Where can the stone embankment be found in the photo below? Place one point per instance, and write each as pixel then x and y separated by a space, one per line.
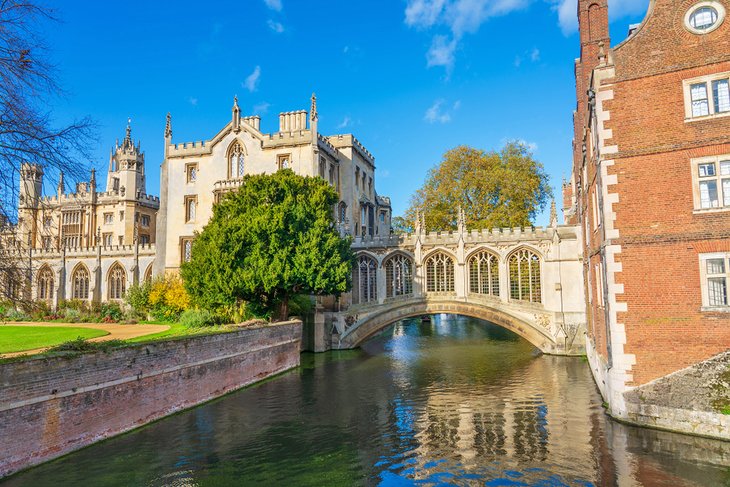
pixel 52 406
pixel 695 400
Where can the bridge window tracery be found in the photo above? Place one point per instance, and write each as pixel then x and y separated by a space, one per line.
pixel 439 273
pixel 45 284
pixel 398 276
pixel 484 273
pixel 365 280
pixel 524 276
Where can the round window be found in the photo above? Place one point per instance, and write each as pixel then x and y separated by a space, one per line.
pixel 704 17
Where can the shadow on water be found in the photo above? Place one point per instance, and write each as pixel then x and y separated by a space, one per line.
pixel 455 401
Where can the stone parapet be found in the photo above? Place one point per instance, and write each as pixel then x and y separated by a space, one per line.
pixel 52 406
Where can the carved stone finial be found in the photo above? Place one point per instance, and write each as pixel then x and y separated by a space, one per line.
pixel 236 111
pixel 553 214
pixel 61 185
pixel 461 221
pixel 168 126
pixel 92 181
pixel 313 115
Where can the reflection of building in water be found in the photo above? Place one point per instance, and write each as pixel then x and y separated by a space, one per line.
pixel 516 424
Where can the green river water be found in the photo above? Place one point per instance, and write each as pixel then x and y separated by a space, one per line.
pixel 456 401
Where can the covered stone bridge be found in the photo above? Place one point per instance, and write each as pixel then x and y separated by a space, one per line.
pixel 527 280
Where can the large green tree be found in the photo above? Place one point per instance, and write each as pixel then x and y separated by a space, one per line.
pixel 496 189
pixel 273 238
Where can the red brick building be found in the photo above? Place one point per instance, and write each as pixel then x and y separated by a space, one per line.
pixel 650 187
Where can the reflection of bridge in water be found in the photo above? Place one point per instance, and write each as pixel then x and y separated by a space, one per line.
pixel 529 281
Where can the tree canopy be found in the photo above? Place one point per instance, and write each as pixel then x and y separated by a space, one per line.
pixel 495 189
pixel 272 239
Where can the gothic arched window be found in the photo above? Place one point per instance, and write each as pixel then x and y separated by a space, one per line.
pixel 365 280
pixel 45 284
pixel 117 282
pixel 398 276
pixel 342 212
pixel 236 161
pixel 80 283
pixel 484 273
pixel 439 273
pixel 148 274
pixel 524 276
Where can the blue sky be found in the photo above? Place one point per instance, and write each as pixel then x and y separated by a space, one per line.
pixel 410 78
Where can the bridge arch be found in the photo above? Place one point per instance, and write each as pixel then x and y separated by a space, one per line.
pixel 376 321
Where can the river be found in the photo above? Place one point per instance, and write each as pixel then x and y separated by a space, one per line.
pixel 456 401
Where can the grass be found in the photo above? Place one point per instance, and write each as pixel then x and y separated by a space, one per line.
pixel 178 330
pixel 21 338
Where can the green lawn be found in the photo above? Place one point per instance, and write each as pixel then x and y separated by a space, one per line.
pixel 178 330
pixel 19 338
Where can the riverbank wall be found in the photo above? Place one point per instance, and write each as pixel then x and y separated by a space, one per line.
pixel 52 406
pixel 693 401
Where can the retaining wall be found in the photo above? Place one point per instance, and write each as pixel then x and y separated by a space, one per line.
pixel 52 406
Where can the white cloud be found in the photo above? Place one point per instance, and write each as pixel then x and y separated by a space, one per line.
pixel 346 122
pixel 277 27
pixel 441 52
pixel 274 4
pixel 459 17
pixel 436 114
pixel 193 101
pixel 568 19
pixel 252 80
pixel 261 108
pixel 535 55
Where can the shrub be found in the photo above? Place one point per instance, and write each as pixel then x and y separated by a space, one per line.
pixel 16 315
pixel 76 304
pixel 197 318
pixel 111 312
pixel 138 298
pixel 71 315
pixel 168 298
pixel 82 345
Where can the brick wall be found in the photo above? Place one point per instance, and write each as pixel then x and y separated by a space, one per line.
pixel 51 406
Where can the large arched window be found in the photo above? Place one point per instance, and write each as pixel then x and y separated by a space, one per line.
pixel 398 276
pixel 45 284
pixel 235 164
pixel 439 273
pixel 524 276
pixel 365 280
pixel 117 282
pixel 484 273
pixel 80 283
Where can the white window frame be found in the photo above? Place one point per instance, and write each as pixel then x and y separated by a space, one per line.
pixel 707 80
pixel 719 8
pixel 704 277
pixel 718 177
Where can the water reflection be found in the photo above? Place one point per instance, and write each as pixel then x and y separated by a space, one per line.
pixel 454 401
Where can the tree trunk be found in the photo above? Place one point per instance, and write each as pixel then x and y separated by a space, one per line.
pixel 284 309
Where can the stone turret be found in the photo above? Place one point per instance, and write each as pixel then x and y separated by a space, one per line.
pixel 126 168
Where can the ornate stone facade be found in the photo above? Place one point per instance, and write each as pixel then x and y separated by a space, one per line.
pixel 88 245
pixel 196 174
